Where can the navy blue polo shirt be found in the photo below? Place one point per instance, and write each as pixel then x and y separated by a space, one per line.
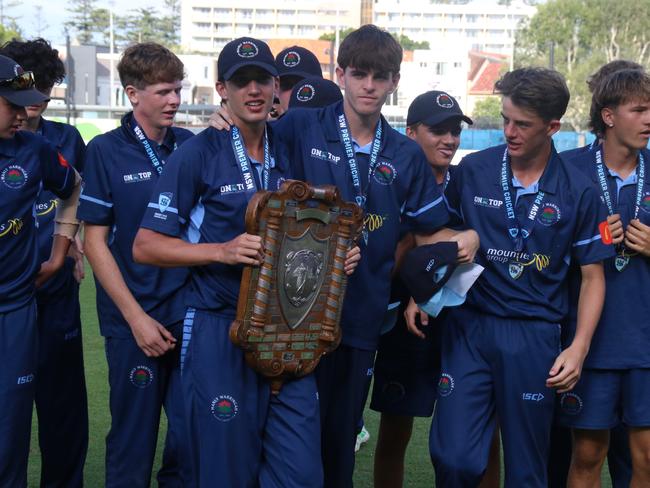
pixel 69 143
pixel 28 164
pixel 119 179
pixel 531 283
pixel 622 339
pixel 402 190
pixel 201 197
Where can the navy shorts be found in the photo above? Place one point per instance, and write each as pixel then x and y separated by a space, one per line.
pixel 603 398
pixel 407 370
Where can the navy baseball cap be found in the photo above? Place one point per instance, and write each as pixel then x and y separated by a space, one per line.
pixel 314 92
pixel 298 61
pixel 433 108
pixel 242 52
pixel 17 85
pixel 421 269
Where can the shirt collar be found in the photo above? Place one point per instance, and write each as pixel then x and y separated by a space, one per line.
pixel 548 182
pixel 9 147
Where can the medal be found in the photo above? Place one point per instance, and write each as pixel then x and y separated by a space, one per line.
pixel 621 261
pixel 516 270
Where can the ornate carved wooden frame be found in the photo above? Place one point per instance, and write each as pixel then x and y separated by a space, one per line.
pixel 289 308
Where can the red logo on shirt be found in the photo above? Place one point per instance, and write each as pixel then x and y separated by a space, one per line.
pixel 62 161
pixel 605 233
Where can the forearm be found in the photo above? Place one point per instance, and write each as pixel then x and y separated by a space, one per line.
pixel 60 246
pixel 109 276
pixel 158 249
pixel 590 305
pixel 65 220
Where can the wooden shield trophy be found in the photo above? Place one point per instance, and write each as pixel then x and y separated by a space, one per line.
pixel 289 307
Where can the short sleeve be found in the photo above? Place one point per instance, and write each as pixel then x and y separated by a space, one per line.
pixel 96 200
pixel 424 209
pixel 591 216
pixel 176 193
pixel 58 175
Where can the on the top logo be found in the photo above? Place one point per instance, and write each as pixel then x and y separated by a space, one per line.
pixel 291 59
pixel 444 101
pixel 247 49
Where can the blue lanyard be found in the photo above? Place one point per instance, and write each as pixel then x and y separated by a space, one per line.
pixel 244 162
pixel 156 161
pixel 346 139
pixel 602 180
pixel 518 234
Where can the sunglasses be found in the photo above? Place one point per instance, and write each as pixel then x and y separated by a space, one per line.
pixel 20 82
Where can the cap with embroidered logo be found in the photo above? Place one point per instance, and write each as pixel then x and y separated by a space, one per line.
pixel 17 85
pixel 433 108
pixel 298 61
pixel 245 51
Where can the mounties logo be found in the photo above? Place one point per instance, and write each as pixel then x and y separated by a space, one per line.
pixel 549 215
pixel 571 404
pixel 305 93
pixel 445 101
pixel 291 59
pixel 224 408
pixel 247 49
pixel 11 227
pixel 445 385
pixel 385 173
pixel 14 176
pixel 141 376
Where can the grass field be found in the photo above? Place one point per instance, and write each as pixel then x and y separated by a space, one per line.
pixel 419 473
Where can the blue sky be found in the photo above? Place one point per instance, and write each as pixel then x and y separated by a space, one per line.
pixel 54 14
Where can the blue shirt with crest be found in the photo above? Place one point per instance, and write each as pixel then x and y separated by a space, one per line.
pixel 119 179
pixel 622 339
pixel 28 166
pixel 531 283
pixel 202 198
pixel 402 190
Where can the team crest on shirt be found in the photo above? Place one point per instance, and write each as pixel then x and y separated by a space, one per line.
pixel 224 408
pixel 141 376
pixel 164 200
pixel 385 173
pixel 14 176
pixel 291 59
pixel 247 49
pixel 571 404
pixel 445 385
pixel 445 101
pixel 305 93
pixel 550 214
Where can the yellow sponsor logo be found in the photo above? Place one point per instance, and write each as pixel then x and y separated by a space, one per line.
pixel 541 261
pixel 373 222
pixel 46 208
pixel 12 226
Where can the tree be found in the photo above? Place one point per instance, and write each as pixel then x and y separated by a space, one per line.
pixel 409 44
pixel 487 113
pixel 582 35
pixel 343 33
pixel 7 34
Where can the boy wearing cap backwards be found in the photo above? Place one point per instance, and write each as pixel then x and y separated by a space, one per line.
pixel 240 435
pixel 61 406
pixel 28 163
pixel 407 367
pixel 140 307
pixel 615 384
pixel 294 64
pixel 534 216
pixel 350 145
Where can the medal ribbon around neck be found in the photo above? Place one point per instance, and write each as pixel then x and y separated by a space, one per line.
pixel 346 139
pixel 517 232
pixel 157 162
pixel 245 166
pixel 621 259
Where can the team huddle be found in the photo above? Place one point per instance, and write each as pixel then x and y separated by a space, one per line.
pixel 546 354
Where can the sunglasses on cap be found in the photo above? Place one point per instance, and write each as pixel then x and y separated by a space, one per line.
pixel 20 82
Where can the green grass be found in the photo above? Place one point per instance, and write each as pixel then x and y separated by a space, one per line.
pixel 419 473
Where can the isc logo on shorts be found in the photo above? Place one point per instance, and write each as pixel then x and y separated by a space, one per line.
pixel 24 380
